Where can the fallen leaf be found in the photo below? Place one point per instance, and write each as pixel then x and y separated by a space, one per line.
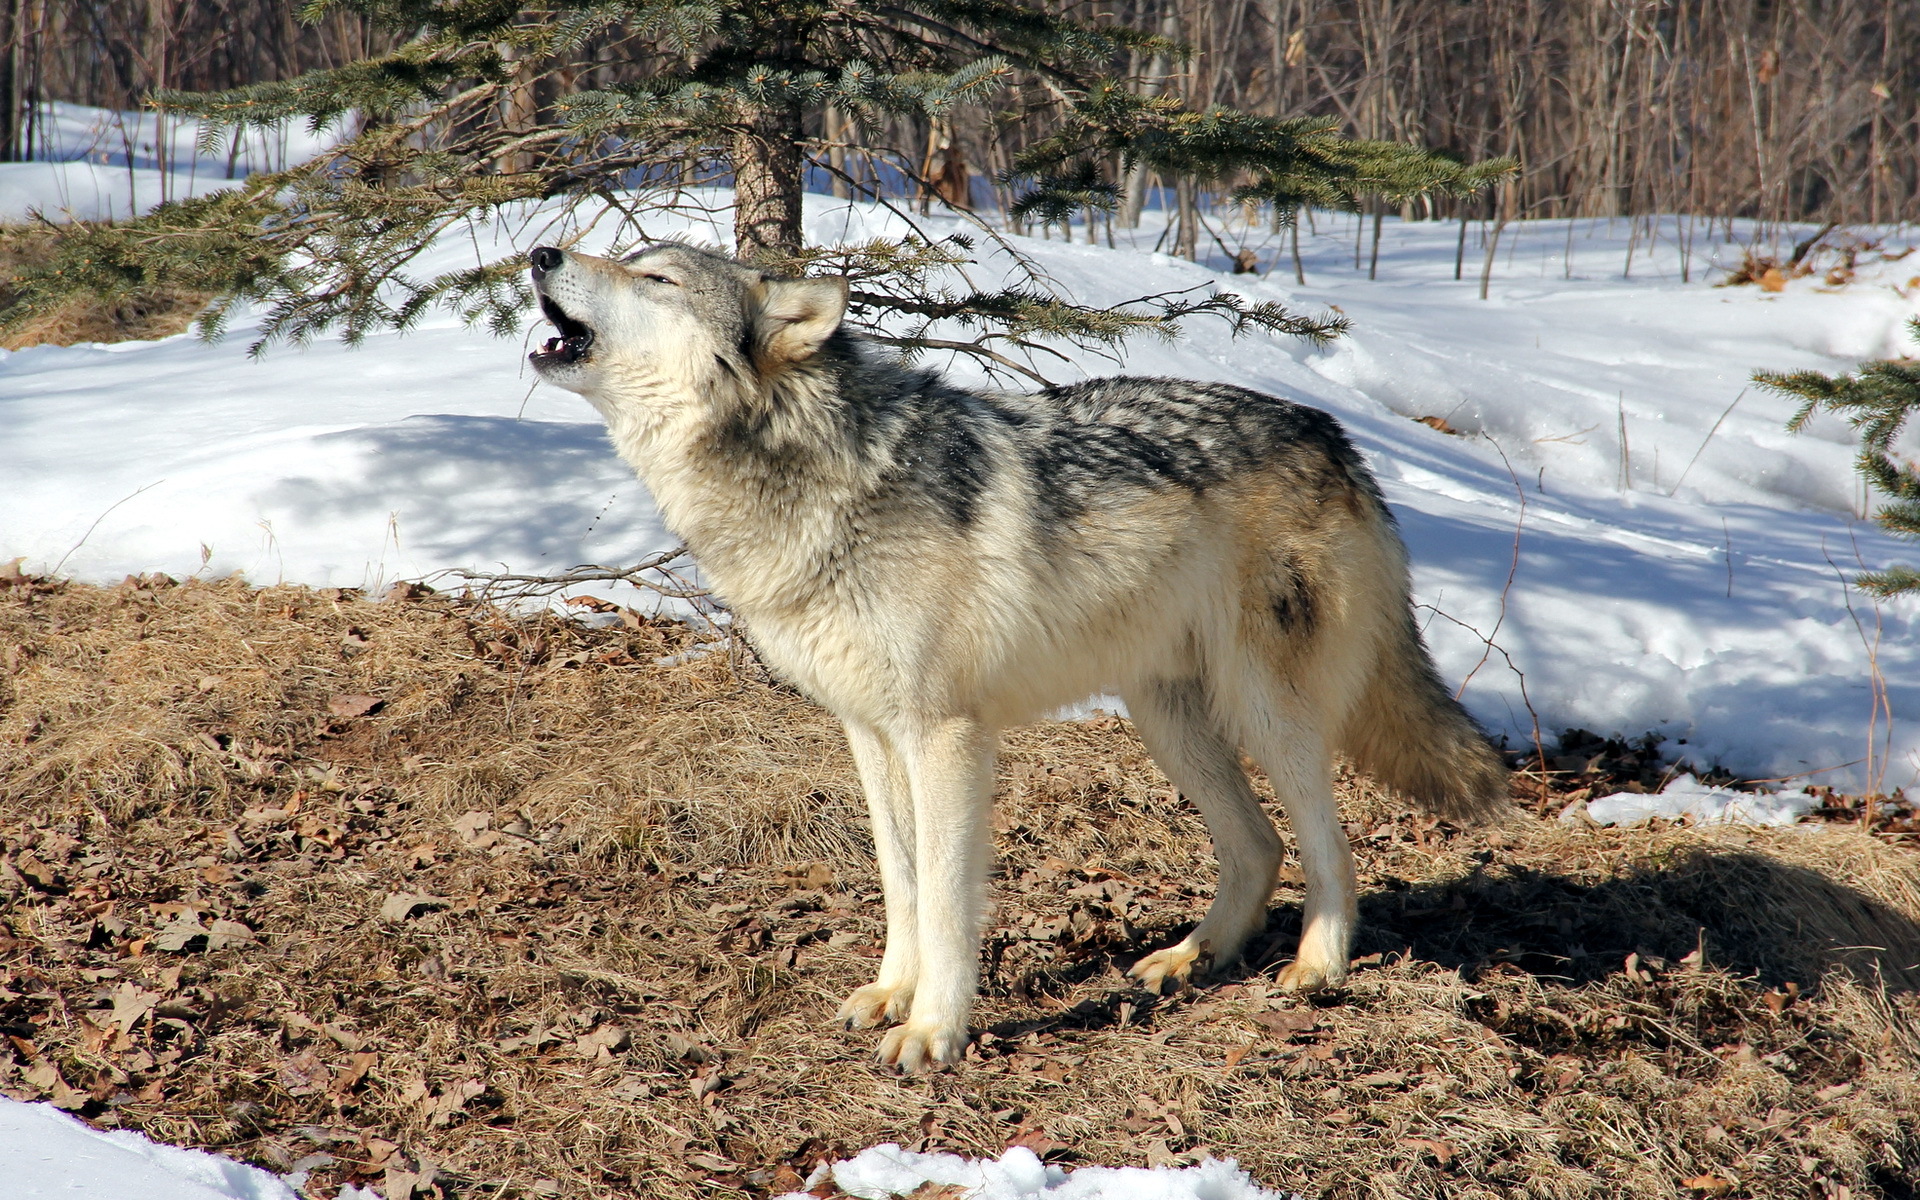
pixel 131 1003
pixel 1711 1185
pixel 179 933
pixel 222 934
pixel 353 704
pixel 1442 1152
pixel 1771 280
pixel 1287 1022
pixel 1040 1142
pixel 303 1074
pixel 399 906
pixel 348 1077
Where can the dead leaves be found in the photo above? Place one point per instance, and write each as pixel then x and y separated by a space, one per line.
pixel 347 706
pixel 438 1108
pixel 398 907
pixel 185 934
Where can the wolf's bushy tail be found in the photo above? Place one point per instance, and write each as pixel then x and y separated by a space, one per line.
pixel 1409 733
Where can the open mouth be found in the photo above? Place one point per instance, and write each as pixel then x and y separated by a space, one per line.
pixel 573 343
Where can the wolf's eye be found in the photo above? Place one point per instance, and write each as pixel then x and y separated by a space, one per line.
pixel 660 279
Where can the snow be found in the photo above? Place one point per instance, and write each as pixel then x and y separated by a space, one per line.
pixel 887 1170
pixel 97 163
pixel 1685 581
pixel 1686 796
pixel 47 1155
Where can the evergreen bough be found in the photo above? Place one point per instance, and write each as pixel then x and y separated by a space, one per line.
pixel 475 116
pixel 1877 401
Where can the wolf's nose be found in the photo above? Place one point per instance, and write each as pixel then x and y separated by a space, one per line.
pixel 544 259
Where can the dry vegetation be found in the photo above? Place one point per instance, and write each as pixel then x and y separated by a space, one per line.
pixel 148 313
pixel 413 893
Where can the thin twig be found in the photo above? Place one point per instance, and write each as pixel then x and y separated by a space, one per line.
pixel 96 524
pixel 1513 568
pixel 1703 445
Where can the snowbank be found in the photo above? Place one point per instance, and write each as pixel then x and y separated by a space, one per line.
pixel 47 1155
pixel 1681 556
pixel 887 1170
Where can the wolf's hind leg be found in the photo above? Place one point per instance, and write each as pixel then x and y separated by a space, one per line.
pixel 1175 719
pixel 1293 749
pixel 890 804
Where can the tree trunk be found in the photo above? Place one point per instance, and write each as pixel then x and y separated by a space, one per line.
pixel 767 180
pixel 10 56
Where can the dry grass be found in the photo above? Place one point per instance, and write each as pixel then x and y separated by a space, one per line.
pixel 148 313
pixel 555 919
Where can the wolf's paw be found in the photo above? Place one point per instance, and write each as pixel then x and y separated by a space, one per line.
pixel 917 1047
pixel 874 1003
pixel 1300 975
pixel 1175 962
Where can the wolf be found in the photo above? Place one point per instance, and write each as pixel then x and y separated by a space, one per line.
pixel 933 563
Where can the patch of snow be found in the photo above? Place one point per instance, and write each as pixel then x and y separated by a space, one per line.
pixel 46 1154
pixel 1686 796
pixel 887 1170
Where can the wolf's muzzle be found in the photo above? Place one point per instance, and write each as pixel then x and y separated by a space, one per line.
pixel 544 259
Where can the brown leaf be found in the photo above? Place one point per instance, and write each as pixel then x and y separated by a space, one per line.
pixel 1771 280
pixel 222 934
pixel 1439 423
pixel 399 906
pixel 46 1077
pixel 1287 1022
pixel 179 933
pixel 131 1003
pixel 1442 1151
pixel 349 705
pixel 1039 1141
pixel 1711 1185
pixel 303 1074
pixel 348 1077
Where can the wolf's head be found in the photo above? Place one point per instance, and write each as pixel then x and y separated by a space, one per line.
pixel 675 320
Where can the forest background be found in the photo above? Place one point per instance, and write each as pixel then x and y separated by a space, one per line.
pixel 1796 110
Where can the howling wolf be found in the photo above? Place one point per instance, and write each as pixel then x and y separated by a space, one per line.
pixel 933 563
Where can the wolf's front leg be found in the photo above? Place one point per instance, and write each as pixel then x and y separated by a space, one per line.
pixel 883 776
pixel 950 767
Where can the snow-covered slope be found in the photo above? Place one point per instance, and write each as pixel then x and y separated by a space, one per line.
pixel 97 163
pixel 1681 555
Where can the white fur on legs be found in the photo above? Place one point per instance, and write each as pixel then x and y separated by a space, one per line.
pixel 1177 723
pixel 890 805
pixel 1302 775
pixel 950 766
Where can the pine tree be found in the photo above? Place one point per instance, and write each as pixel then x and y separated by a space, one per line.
pixel 477 116
pixel 1877 401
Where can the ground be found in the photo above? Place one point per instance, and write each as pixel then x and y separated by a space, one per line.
pixel 417 894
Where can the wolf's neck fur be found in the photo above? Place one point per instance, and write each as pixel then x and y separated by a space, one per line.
pixel 760 481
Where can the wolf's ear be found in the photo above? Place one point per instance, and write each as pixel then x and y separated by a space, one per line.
pixel 795 317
